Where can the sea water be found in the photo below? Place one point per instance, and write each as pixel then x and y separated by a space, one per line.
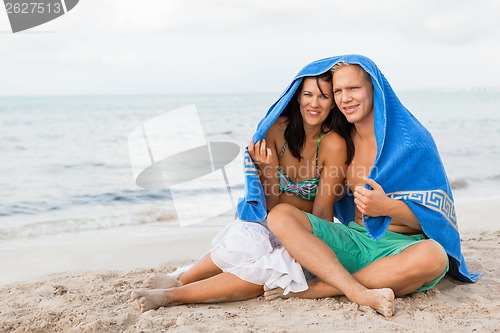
pixel 66 176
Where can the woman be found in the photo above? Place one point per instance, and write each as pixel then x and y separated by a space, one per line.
pixel 302 162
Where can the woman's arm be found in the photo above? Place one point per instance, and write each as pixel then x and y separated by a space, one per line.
pixel 265 157
pixel 332 157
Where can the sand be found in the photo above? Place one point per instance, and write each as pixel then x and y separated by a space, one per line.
pixel 86 288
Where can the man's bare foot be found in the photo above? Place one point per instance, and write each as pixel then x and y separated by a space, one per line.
pixel 272 294
pixel 381 300
pixel 150 299
pixel 163 281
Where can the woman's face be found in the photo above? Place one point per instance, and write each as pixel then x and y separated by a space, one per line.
pixel 315 104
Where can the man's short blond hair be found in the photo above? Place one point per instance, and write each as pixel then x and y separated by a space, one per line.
pixel 339 65
pixel 343 64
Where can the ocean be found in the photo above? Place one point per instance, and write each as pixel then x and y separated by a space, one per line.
pixel 66 174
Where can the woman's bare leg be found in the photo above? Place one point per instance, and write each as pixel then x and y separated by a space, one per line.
pixel 223 287
pixel 202 269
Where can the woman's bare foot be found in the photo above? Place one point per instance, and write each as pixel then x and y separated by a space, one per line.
pixel 163 281
pixel 272 294
pixel 150 299
pixel 381 300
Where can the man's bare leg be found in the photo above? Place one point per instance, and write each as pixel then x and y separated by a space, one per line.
pixel 224 287
pixel 293 229
pixel 403 273
pixel 202 269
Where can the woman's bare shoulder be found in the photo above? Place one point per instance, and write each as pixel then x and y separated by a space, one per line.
pixel 280 123
pixel 332 140
pixel 277 128
pixel 333 148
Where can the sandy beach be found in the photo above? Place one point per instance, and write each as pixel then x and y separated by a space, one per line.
pixel 86 287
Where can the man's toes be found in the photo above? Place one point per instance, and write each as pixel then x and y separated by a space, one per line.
pixel 272 294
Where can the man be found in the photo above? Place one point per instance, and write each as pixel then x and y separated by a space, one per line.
pixel 383 244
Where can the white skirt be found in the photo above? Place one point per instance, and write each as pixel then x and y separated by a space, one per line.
pixel 251 252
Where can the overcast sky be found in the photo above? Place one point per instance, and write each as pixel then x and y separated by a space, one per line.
pixel 196 46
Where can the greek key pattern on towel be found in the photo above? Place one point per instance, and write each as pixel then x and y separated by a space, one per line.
pixel 250 169
pixel 436 200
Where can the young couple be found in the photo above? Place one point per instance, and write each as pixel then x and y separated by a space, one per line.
pixel 337 128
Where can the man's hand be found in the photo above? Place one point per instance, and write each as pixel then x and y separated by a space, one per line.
pixel 373 202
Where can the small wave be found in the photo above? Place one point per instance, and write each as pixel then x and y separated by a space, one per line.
pixel 459 183
pixel 127 197
pixel 132 197
pixel 69 225
pixel 22 208
pixel 28 208
pixel 84 165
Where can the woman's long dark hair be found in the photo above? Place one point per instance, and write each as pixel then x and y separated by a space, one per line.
pixel 295 134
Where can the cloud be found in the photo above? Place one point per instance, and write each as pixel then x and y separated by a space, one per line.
pixel 453 22
pixel 250 45
pixel 199 16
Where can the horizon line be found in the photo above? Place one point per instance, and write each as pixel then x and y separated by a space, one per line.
pixel 491 89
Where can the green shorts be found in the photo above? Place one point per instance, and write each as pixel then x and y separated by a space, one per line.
pixel 356 250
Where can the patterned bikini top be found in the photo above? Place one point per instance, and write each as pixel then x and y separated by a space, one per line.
pixel 305 189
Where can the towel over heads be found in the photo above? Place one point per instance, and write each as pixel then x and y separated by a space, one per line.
pixel 407 166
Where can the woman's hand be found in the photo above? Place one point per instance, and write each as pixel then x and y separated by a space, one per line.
pixel 263 157
pixel 260 153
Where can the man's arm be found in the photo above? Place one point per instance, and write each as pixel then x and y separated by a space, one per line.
pixel 375 203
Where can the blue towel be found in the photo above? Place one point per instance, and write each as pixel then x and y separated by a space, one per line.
pixel 407 166
pixel 252 207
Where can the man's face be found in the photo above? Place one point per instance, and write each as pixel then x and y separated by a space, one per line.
pixel 353 93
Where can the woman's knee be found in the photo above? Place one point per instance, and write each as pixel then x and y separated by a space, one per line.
pixel 280 217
